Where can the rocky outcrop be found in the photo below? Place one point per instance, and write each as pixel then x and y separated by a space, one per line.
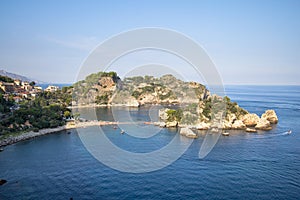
pixel 199 109
pixel 188 133
pixel 238 124
pixel 226 124
pixel 251 130
pixel 250 119
pixel 271 116
pixel 3 181
pixel 171 124
pixel 202 126
pixel 263 124
pixel 162 113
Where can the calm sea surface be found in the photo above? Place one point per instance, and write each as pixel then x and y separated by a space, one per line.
pixel 242 166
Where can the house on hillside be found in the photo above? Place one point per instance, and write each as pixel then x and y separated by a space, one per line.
pixel 17 82
pixel 51 88
pixel 7 87
pixel 26 86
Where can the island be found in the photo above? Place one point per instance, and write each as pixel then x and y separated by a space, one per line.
pixel 28 111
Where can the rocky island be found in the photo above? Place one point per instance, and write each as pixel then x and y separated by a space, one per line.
pixel 189 104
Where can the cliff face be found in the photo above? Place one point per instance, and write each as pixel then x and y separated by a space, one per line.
pixel 96 89
pixel 108 89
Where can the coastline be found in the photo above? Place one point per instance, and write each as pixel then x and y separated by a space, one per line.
pixel 31 134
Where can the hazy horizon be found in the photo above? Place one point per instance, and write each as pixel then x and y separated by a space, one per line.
pixel 251 43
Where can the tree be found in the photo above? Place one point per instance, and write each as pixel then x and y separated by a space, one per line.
pixel 67 114
pixel 32 83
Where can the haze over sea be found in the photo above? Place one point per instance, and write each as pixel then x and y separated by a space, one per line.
pixel 241 166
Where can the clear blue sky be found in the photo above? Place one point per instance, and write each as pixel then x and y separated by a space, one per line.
pixel 251 42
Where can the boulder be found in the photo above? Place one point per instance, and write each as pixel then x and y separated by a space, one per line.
pixel 250 119
pixel 238 124
pixel 263 124
pixel 202 126
pixel 188 133
pixel 2 181
pixel 271 116
pixel 226 124
pixel 163 114
pixel 171 124
pixel 162 124
pixel 231 117
pixel 251 130
pixel 133 103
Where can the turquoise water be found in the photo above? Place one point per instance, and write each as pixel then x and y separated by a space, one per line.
pixel 242 166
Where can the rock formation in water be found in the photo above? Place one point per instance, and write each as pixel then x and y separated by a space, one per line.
pixel 196 107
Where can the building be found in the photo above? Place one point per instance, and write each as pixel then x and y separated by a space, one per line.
pixel 17 82
pixel 51 88
pixel 17 99
pixel 7 87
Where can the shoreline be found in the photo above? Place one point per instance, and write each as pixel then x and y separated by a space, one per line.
pixel 70 125
pixel 31 134
pixel 12 139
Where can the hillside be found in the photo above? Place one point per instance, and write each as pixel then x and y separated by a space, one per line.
pixel 108 89
pixel 18 77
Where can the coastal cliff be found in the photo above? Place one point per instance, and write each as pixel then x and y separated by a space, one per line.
pixel 108 89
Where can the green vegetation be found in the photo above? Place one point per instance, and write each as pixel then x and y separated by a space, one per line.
pixel 136 94
pixel 192 108
pixel 207 108
pixel 6 79
pixel 5 104
pixel 232 107
pixel 93 79
pixel 174 115
pixel 189 119
pixel 103 99
pixel 166 96
pixel 47 110
pixel 89 87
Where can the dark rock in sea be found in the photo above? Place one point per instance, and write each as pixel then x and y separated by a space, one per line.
pixel 2 181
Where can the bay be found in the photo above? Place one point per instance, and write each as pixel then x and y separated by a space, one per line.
pixel 242 166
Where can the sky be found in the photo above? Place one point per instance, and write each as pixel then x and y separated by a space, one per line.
pixel 250 42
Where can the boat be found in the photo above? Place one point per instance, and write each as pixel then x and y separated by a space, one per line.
pixel 122 131
pixel 225 134
pixel 289 132
pixel 1 149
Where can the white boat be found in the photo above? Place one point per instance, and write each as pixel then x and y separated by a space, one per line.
pixel 225 133
pixel 289 132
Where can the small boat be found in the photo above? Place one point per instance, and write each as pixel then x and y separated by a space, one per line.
pixel 214 130
pixel 1 149
pixel 289 132
pixel 122 131
pixel 225 134
pixel 115 127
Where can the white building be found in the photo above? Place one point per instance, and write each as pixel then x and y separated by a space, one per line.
pixel 51 88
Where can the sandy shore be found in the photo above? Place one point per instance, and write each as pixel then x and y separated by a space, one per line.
pixel 70 125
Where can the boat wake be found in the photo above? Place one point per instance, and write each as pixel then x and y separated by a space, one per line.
pixel 273 135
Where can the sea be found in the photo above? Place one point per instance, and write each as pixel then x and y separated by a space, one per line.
pixel 240 166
